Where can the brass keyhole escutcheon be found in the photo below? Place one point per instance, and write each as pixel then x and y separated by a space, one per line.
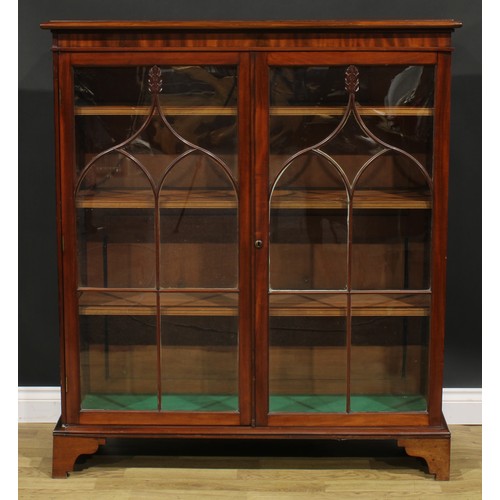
pixel 259 244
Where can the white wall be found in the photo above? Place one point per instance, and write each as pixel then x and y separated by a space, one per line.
pixel 42 404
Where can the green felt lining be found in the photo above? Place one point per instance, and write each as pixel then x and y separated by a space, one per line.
pixel 337 403
pixel 298 403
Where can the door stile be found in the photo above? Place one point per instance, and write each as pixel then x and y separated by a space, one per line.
pixel 58 143
pixel 261 234
pixel 69 270
pixel 245 105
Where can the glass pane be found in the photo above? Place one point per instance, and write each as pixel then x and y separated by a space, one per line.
pixel 389 353
pixel 106 114
pixel 307 103
pixel 115 225
pixel 118 351
pixel 411 133
pixel 391 249
pixel 391 226
pixel 307 353
pixel 308 227
pixel 199 226
pixel 199 352
pixel 157 207
pixel 351 147
pixel 393 171
pixel 381 150
pixel 199 103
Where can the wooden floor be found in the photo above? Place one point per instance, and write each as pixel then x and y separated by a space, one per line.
pixel 247 470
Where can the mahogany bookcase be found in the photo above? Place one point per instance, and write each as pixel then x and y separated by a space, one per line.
pixel 252 222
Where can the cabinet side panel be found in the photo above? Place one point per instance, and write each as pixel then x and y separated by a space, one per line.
pixel 69 267
pixel 440 227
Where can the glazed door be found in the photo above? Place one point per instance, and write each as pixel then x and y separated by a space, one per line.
pixel 346 149
pixel 159 187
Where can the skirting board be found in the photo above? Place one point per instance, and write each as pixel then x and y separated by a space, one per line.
pixel 43 404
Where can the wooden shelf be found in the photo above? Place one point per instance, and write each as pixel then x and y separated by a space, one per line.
pixel 115 198
pixel 226 304
pixel 369 198
pixel 144 304
pixel 340 110
pixel 391 198
pixel 336 305
pixel 232 111
pixel 146 110
pixel 282 199
pixel 117 304
pixel 174 199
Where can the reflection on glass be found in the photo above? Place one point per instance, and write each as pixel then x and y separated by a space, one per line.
pixel 380 85
pixel 389 355
pixel 199 103
pixel 118 352
pixel 307 103
pixel 101 120
pixel 199 352
pixel 411 133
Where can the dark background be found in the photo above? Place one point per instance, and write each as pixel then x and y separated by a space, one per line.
pixel 38 309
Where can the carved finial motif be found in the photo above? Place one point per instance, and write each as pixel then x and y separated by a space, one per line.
pixel 154 81
pixel 352 79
